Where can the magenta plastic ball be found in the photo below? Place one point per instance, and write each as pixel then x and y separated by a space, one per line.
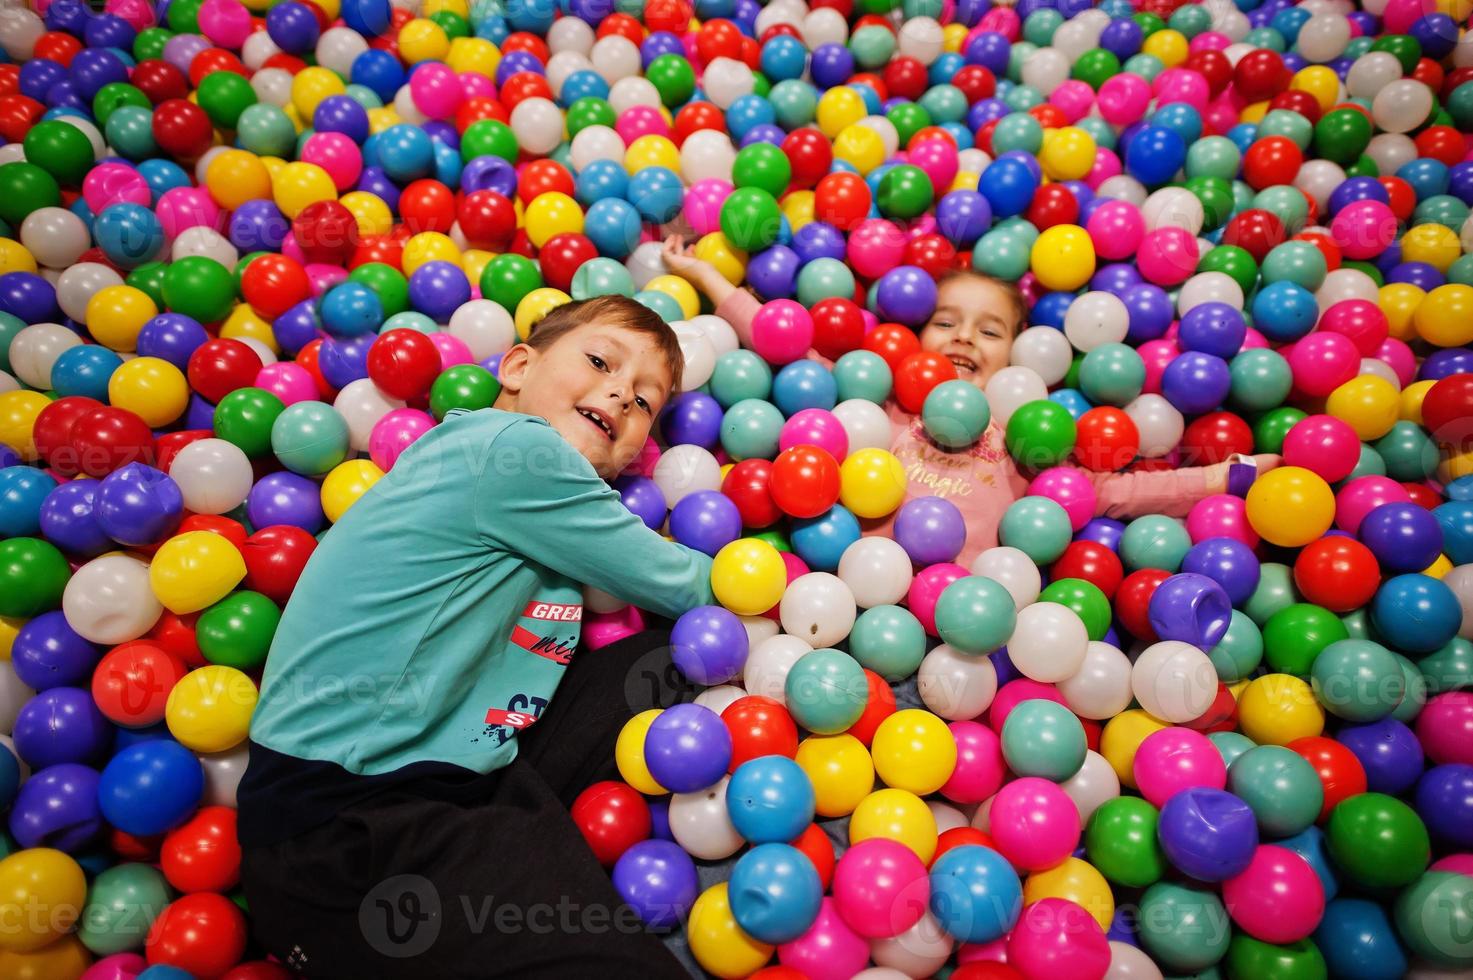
pixel 815 427
pixel 1364 494
pixel 1221 516
pixel 1278 899
pixel 1058 938
pixel 880 888
pixel 1034 823
pixel 980 769
pixel 1071 489
pixel 1445 728
pixel 927 587
pixel 829 950
pixel 1173 759
pixel 394 433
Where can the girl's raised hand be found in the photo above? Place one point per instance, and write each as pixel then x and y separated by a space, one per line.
pixel 680 258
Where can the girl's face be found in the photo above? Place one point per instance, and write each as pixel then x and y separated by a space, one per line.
pixel 973 327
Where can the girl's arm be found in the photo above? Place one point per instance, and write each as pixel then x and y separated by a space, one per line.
pixel 1169 492
pixel 735 306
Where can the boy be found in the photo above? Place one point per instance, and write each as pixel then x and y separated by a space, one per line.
pixel 405 811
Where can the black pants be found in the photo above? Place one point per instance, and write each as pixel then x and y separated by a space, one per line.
pixel 403 886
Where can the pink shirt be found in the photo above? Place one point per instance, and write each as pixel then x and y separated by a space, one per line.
pixel 983 481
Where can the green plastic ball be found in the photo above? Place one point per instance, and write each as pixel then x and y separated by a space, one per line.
pixel 1234 262
pixel 1281 788
pixel 1358 680
pixel 750 219
pixel 1215 194
pixel 762 165
pixel 63 150
pixel 1409 453
pixel 1230 745
pixel 826 691
pixel 1254 959
pixel 1112 374
pixel 864 374
pixel 149 278
pixel 1154 541
pixel 975 615
pixel 1045 739
pixel 905 192
pixel 466 386
pixel 1295 636
pixel 488 137
pixel 387 283
pixel 199 287
pixel 1213 156
pixel 1120 841
pixel 245 418
pixel 955 414
pixel 588 111
pixel 1261 380
pixel 310 438
pixel 266 130
pixel 237 630
pixel 872 46
pixel 1449 668
pixel 1095 67
pixel 1040 433
pixel 1342 135
pixel 1085 599
pixel 908 118
pixel 1275 591
pixel 25 187
pixel 122 903
pixel 224 95
pixel 33 575
pixel 740 375
pixel 149 44
pixel 824 278
pixel 1003 254
pixel 1378 841
pixel 1240 651
pixel 888 640
pixel 508 278
pixel 750 430
pixel 673 77
pixel 1272 426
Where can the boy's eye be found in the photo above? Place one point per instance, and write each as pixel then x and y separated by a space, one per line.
pixel 597 362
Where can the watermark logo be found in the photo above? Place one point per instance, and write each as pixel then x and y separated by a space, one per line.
pixel 401 917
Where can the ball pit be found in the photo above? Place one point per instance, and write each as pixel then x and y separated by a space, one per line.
pixel 251 252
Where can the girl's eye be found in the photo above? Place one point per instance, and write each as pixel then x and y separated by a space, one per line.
pixel 644 405
pixel 943 324
pixel 597 362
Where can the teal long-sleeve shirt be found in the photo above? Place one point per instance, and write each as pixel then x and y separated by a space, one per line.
pixel 436 618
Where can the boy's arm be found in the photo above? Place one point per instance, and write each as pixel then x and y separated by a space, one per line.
pixel 1169 492
pixel 541 499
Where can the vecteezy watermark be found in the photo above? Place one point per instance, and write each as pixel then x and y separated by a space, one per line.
pixel 404 916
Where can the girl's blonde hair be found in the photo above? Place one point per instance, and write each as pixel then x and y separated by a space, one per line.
pixel 1009 289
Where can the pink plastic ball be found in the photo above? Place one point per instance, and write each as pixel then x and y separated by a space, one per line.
pixel 1363 229
pixel 1058 938
pixel 1323 362
pixel 782 331
pixel 921 226
pixel 1221 516
pixel 1364 494
pixel 1209 41
pixel 1034 823
pixel 396 432
pixel 1003 20
pixel 1323 444
pixel 1221 115
pixel 601 629
pixel 1074 98
pixel 1157 354
pixel 336 154
pixel 288 381
pixel 1397 354
pixel 1445 728
pixel 875 247
pixel 1458 864
pixel 114 183
pixel 1174 759
pixel 138 13
pixel 436 90
pixel 1014 693
pixel 1360 320
pixel 1278 899
pixel 119 966
pixel 880 888
pixel 980 769
pixel 452 350
pixel 182 208
pixel 1253 340
pixel 702 206
pixel 1182 85
pixel 225 22
pixel 1123 99
pixel 640 120
pixel 323 277
pixel 1116 228
pixel 1168 256
pixel 1401 14
pixel 1106 165
pixel 644 463
pixel 829 950
pixel 937 158
pixel 815 427
pixel 927 587
pixel 1071 489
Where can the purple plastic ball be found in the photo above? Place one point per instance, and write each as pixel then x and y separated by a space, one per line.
pixel 818 240
pixel 1207 833
pixel 138 505
pixel 692 418
pixel 286 498
pixel 930 530
pixel 906 294
pixel 658 879
pixel 69 519
pixel 1445 801
pixel 61 725
pixel 643 498
pixel 1388 751
pixel 706 521
pixel 709 645
pixel 1195 382
pixel 1192 608
pixel 687 748
pixel 1228 562
pixel 1403 537
pixel 48 653
pixel 57 807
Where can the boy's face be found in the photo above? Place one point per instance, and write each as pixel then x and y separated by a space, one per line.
pixel 600 386
pixel 973 327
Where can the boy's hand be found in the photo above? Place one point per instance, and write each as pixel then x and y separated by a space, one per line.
pixel 680 259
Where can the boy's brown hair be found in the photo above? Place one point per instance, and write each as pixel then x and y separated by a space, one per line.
pixel 618 311
pixel 1013 293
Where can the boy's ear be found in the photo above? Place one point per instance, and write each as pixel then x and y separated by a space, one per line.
pixel 515 363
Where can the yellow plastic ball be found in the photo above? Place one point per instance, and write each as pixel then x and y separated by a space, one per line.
pixel 914 750
pixel 1439 567
pixel 840 769
pixel 536 305
pixel 244 323
pixel 1320 82
pixel 897 815
pixel 953 36
pixel 9 629
pixel 194 570
pixel 966 181
pixel 1437 245
pixel 423 40
pixel 235 177
pixel 474 262
pixel 629 753
pixel 115 315
pixel 18 411
pixel 871 483
pixel 1367 403
pixel 721 946
pixel 1445 317
pixel 209 710
pixel 1168 45
pixel 1275 709
pixel 679 290
pixel 1120 738
pixel 65 959
pixel 15 257
pixel 1063 257
pixel 1399 301
pixel 1290 506
pixel 1409 402
pixel 748 576
pixel 347 481
pixel 725 257
pixel 1074 881
pixel 313 84
pixel 1067 154
pixel 273 165
pixel 429 246
pixel 652 150
pixel 552 213
pixel 1458 465
pixel 41 891
pixel 860 146
pixel 369 212
pixel 332 8
pixel 839 107
pixel 381 118
pixel 150 387
pixel 799 208
pixel 457 7
pixel 1254 113
pixel 473 54
pixel 300 184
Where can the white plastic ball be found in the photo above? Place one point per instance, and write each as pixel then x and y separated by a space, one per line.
pixel 645 262
pixel 700 823
pixel 34 350
pixel 726 80
pixel 1174 207
pixel 13 696
pixel 1159 423
pixel 78 284
pixel 768 664
pixel 635 90
pixel 721 334
pixel 362 404
pixel 570 34
pixel 273 85
pixel 484 326
pixel 707 154
pixel 561 66
pixel 538 125
pixel 615 57
pixel 1402 106
pixel 1323 37
pixel 720 697
pixel 257 50
pixel 921 38
pixel 1318 179
pixel 1013 570
pixel 759 629
pixel 877 571
pixel 954 685
pixel 1044 350
pixel 338 48
pixel 1391 150
pixel 824 25
pixel 1010 389
pixel 1095 319
pixel 818 608
pixel 205 242
pixel 213 475
pixel 595 143
pixel 684 470
pixel 865 423
pixel 699 355
pixel 1095 783
pixel 109 600
pixel 1173 681
pixel 1046 69
pixel 222 774
pixel 1372 72
pixel 889 135
pixel 1049 643
pixel 55 236
pixel 1209 287
pixel 1124 188
pixel 1100 688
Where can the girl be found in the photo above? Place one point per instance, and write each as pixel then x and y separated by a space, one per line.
pixel 975 322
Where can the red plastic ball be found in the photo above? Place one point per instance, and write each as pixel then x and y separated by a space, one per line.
pixel 747 484
pixel 975 82
pixel 1447 411
pixel 326 232
pixel 203 934
pixel 388 249
pixel 1221 715
pixel 1260 75
pixel 879 706
pixel 427 205
pixel 212 60
pixel 918 374
pixel 1213 66
pixel 257 970
pixel 528 42
pixel 668 15
pixel 274 558
pixel 1422 495
pixel 842 200
pixel 1272 160
pixel 1442 143
pixel 1298 101
pixel 182 129
pixel 487 220
pixel 106 438
pixel 817 847
pixel 543 177
pixel 131 683
pixel 18 113
pixel 959 836
pixel 403 363
pixel 906 78
pixel 476 108
pixel 231 530
pixel 892 342
pixel 804 481
pixel 810 155
pixel 1049 115
pixel 1322 240
pixel 522 86
pixel 931 253
pixel 159 80
pixel 1093 563
pixel 1256 231
pixel 1106 439
pixel 838 327
pixel 1402 198
pixel 1338 573
pixel 176 634
pixel 1340 770
pixel 56 46
pixel 985 970
pixel 130 847
pixel 307 360
pixel 203 853
pixel 1215 437
pixel 1133 599
pixel 759 726
pixel 52 430
pixel 1053 204
pixel 718 38
pixel 694 117
pixel 273 284
pixel 562 256
pixel 221 365
pixel 612 817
